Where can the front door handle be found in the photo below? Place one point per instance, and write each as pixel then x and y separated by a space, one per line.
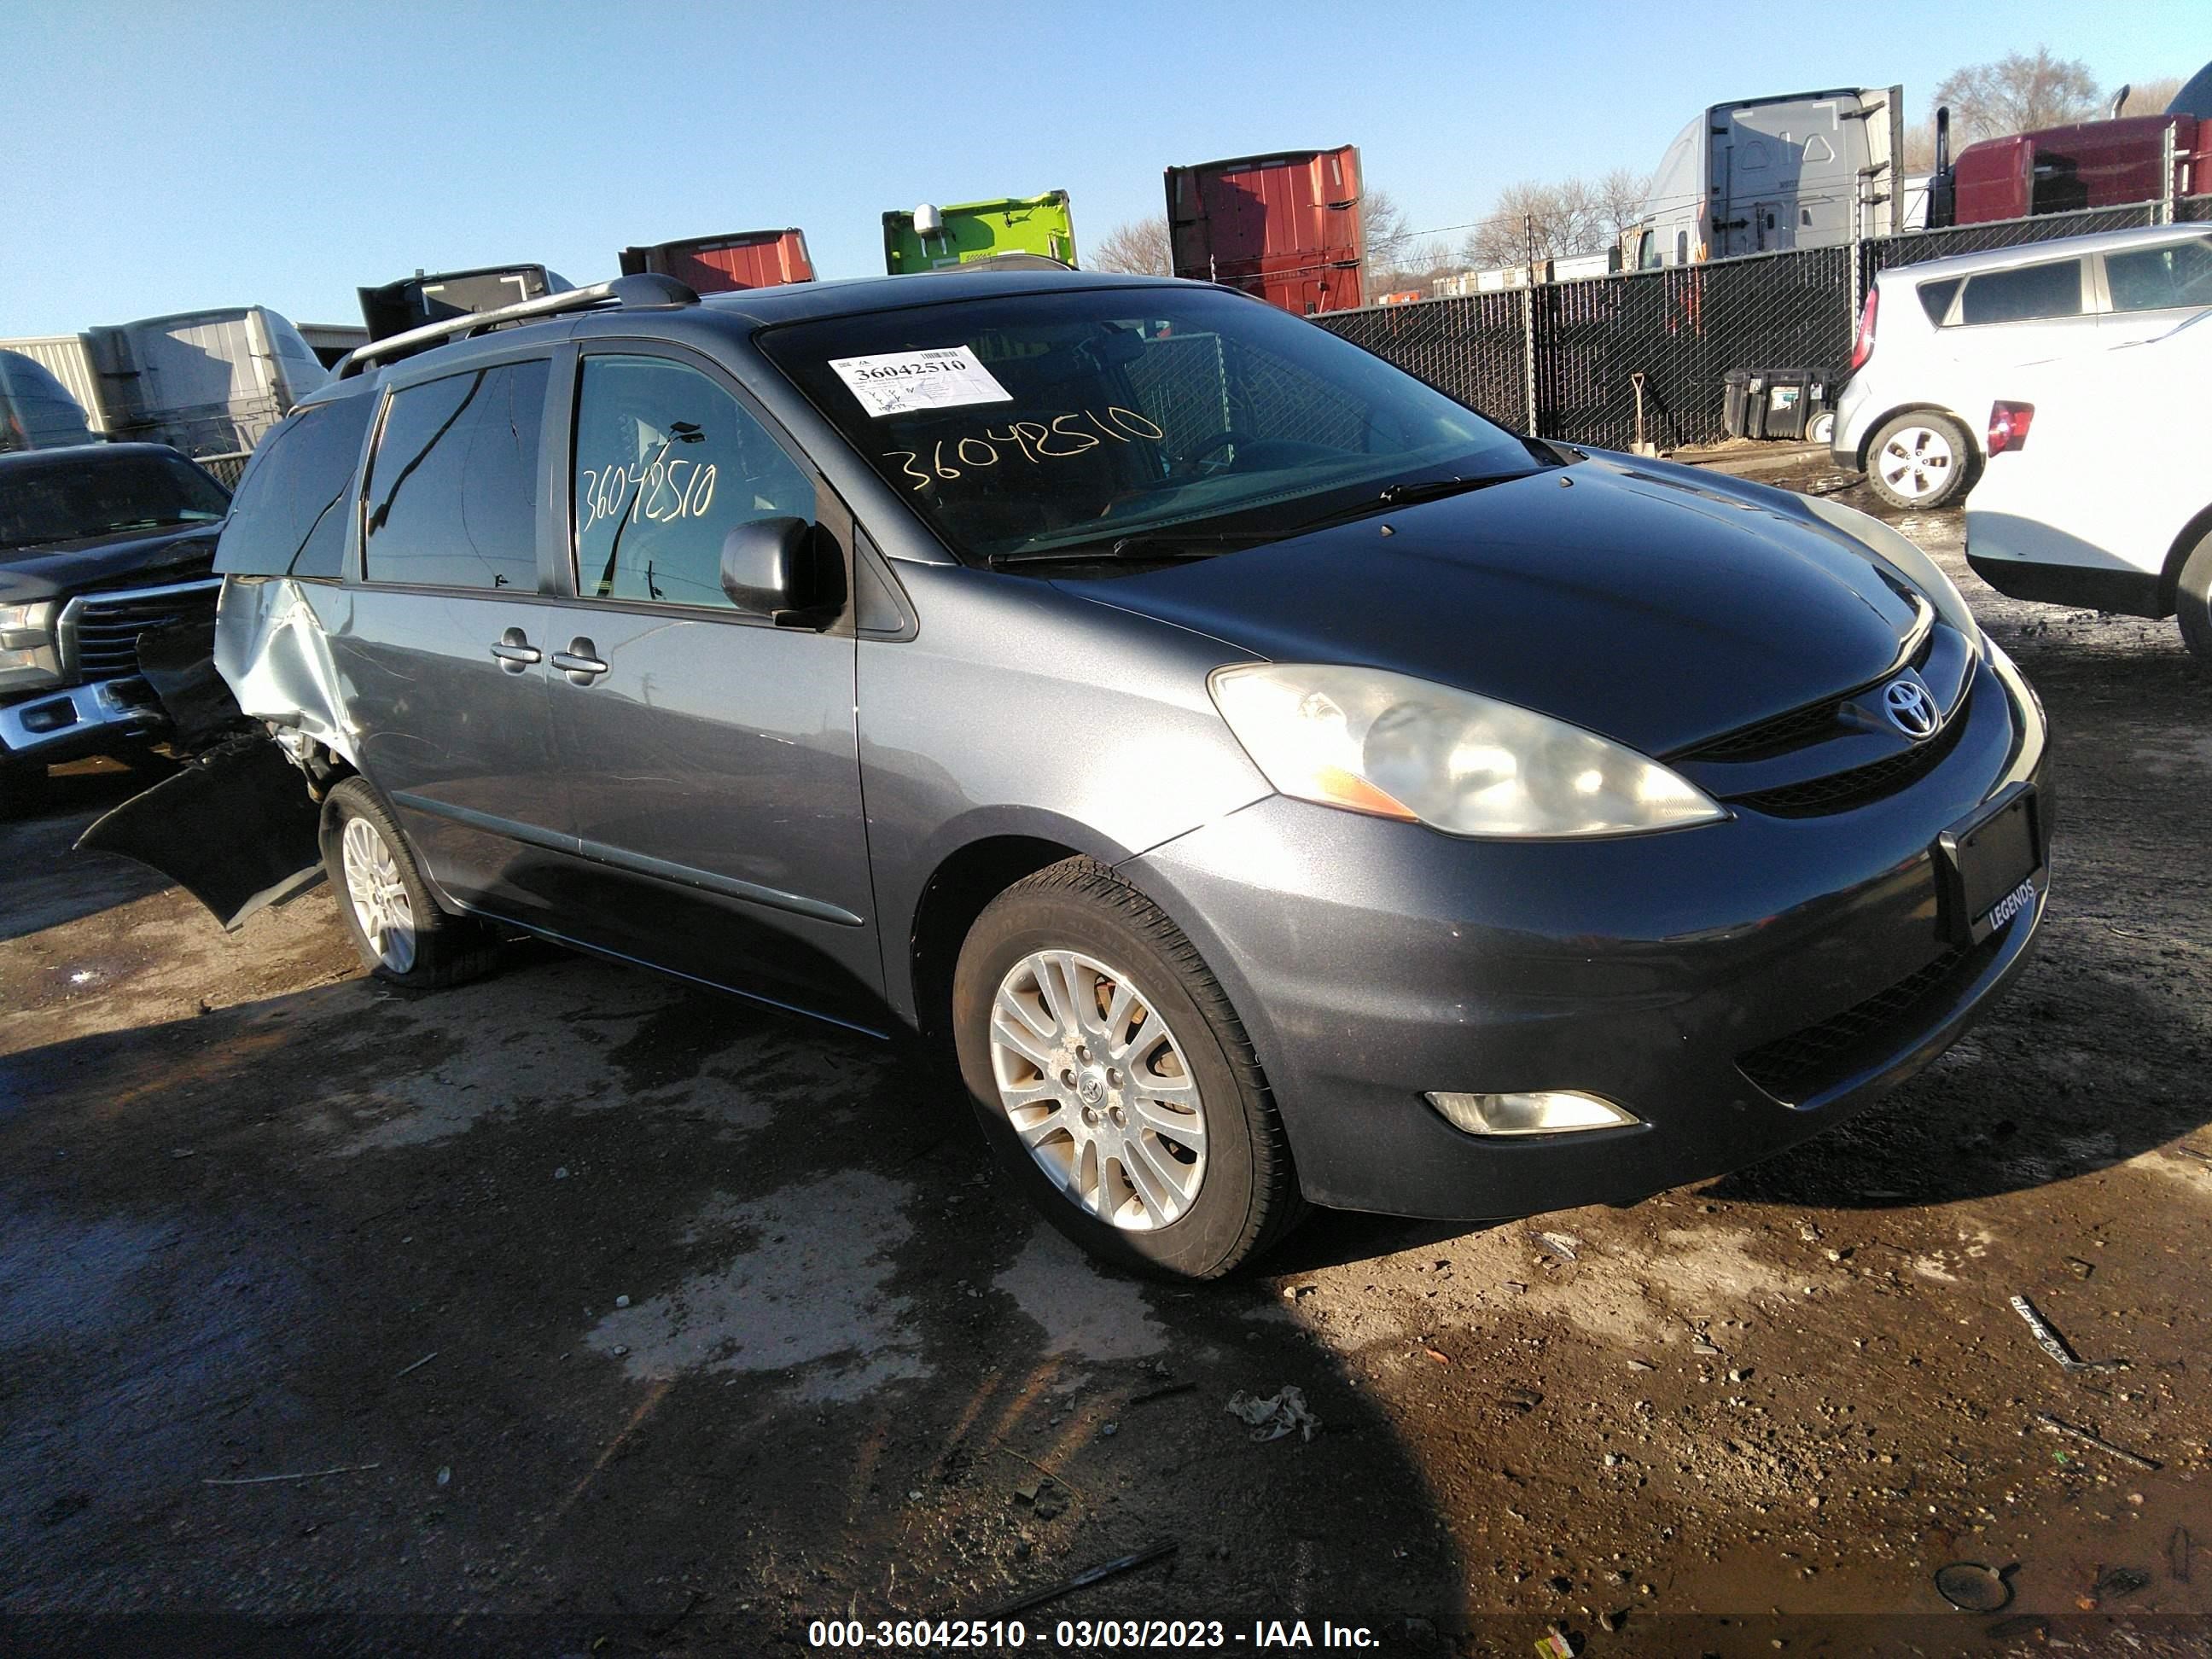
pixel 581 662
pixel 515 651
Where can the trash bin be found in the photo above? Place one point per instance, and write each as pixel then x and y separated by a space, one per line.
pixel 1783 405
pixel 1754 405
pixel 1735 407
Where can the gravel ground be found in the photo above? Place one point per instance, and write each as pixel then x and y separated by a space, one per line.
pixel 581 1312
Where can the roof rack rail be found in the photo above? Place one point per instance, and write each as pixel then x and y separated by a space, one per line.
pixel 645 291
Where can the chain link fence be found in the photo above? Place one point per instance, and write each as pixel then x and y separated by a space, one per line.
pixel 1563 360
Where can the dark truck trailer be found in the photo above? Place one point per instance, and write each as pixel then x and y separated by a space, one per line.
pixel 432 297
pixel 727 264
pixel 1285 227
pixel 2090 164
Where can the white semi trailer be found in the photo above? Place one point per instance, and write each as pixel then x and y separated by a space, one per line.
pixel 1807 169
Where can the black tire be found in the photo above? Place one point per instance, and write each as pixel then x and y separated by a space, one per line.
pixel 1247 1195
pixel 22 788
pixel 1933 480
pixel 2192 602
pixel 446 950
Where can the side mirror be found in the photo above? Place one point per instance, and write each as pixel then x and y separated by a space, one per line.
pixel 767 570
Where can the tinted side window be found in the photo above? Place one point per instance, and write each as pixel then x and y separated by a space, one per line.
pixel 666 462
pixel 453 491
pixel 2031 291
pixel 2157 278
pixel 1936 298
pixel 289 514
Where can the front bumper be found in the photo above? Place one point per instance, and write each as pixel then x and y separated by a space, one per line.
pixel 47 727
pixel 1374 961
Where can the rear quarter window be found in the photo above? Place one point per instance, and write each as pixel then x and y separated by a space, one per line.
pixel 1936 298
pixel 289 515
pixel 2025 294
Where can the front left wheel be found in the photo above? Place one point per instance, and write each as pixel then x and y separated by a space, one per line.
pixel 394 923
pixel 1113 1079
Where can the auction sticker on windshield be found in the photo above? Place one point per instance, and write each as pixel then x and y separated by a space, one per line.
pixel 901 382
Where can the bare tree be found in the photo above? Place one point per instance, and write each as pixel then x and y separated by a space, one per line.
pixel 2017 93
pixel 1919 148
pixel 1384 229
pixel 1138 248
pixel 1622 195
pixel 2151 97
pixel 1541 221
pixel 1395 260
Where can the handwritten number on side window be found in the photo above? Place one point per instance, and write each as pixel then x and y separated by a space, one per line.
pixel 1065 436
pixel 660 493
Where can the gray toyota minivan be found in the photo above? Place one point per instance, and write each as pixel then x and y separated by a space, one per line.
pixel 1273 782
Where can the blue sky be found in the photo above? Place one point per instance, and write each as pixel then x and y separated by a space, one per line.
pixel 163 157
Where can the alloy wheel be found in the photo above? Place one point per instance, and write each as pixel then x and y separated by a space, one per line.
pixel 1098 1090
pixel 379 895
pixel 1917 462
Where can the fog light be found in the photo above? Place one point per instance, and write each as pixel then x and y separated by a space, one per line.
pixel 1543 1112
pixel 50 718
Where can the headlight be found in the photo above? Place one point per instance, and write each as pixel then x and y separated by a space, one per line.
pixel 1386 743
pixel 27 656
pixel 1909 561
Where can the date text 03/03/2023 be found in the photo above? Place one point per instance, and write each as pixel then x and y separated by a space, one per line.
pixel 1084 1635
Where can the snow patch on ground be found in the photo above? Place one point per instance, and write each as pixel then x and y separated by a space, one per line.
pixel 1082 1311
pixel 811 1291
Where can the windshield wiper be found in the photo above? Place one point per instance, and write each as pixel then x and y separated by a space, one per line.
pixel 1163 544
pixel 1411 494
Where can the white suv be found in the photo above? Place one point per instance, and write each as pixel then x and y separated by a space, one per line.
pixel 1934 341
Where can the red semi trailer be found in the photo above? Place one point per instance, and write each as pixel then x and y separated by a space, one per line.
pixel 723 264
pixel 2091 164
pixel 1285 227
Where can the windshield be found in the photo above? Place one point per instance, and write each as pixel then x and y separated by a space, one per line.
pixel 1025 423
pixel 77 495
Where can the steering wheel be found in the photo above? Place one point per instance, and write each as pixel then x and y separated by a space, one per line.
pixel 1195 462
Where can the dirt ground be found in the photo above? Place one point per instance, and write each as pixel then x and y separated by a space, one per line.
pixel 578 1312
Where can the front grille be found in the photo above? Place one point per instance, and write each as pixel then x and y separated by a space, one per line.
pixel 1791 1067
pixel 1840 792
pixel 1777 736
pixel 1800 727
pixel 102 630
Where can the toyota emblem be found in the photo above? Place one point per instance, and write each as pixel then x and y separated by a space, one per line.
pixel 1910 708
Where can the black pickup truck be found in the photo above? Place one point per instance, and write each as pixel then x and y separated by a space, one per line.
pixel 99 544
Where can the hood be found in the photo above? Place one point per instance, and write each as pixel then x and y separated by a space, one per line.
pixel 131 559
pixel 1640 600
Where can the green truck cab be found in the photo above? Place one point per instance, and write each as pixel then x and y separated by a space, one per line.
pixel 931 238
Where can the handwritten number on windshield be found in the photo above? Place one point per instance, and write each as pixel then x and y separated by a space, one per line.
pixel 1063 437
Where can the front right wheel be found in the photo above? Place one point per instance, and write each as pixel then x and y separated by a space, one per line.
pixel 1113 1079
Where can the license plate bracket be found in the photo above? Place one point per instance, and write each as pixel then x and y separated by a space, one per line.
pixel 1990 865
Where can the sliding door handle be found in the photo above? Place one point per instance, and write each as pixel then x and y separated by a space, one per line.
pixel 515 651
pixel 581 662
